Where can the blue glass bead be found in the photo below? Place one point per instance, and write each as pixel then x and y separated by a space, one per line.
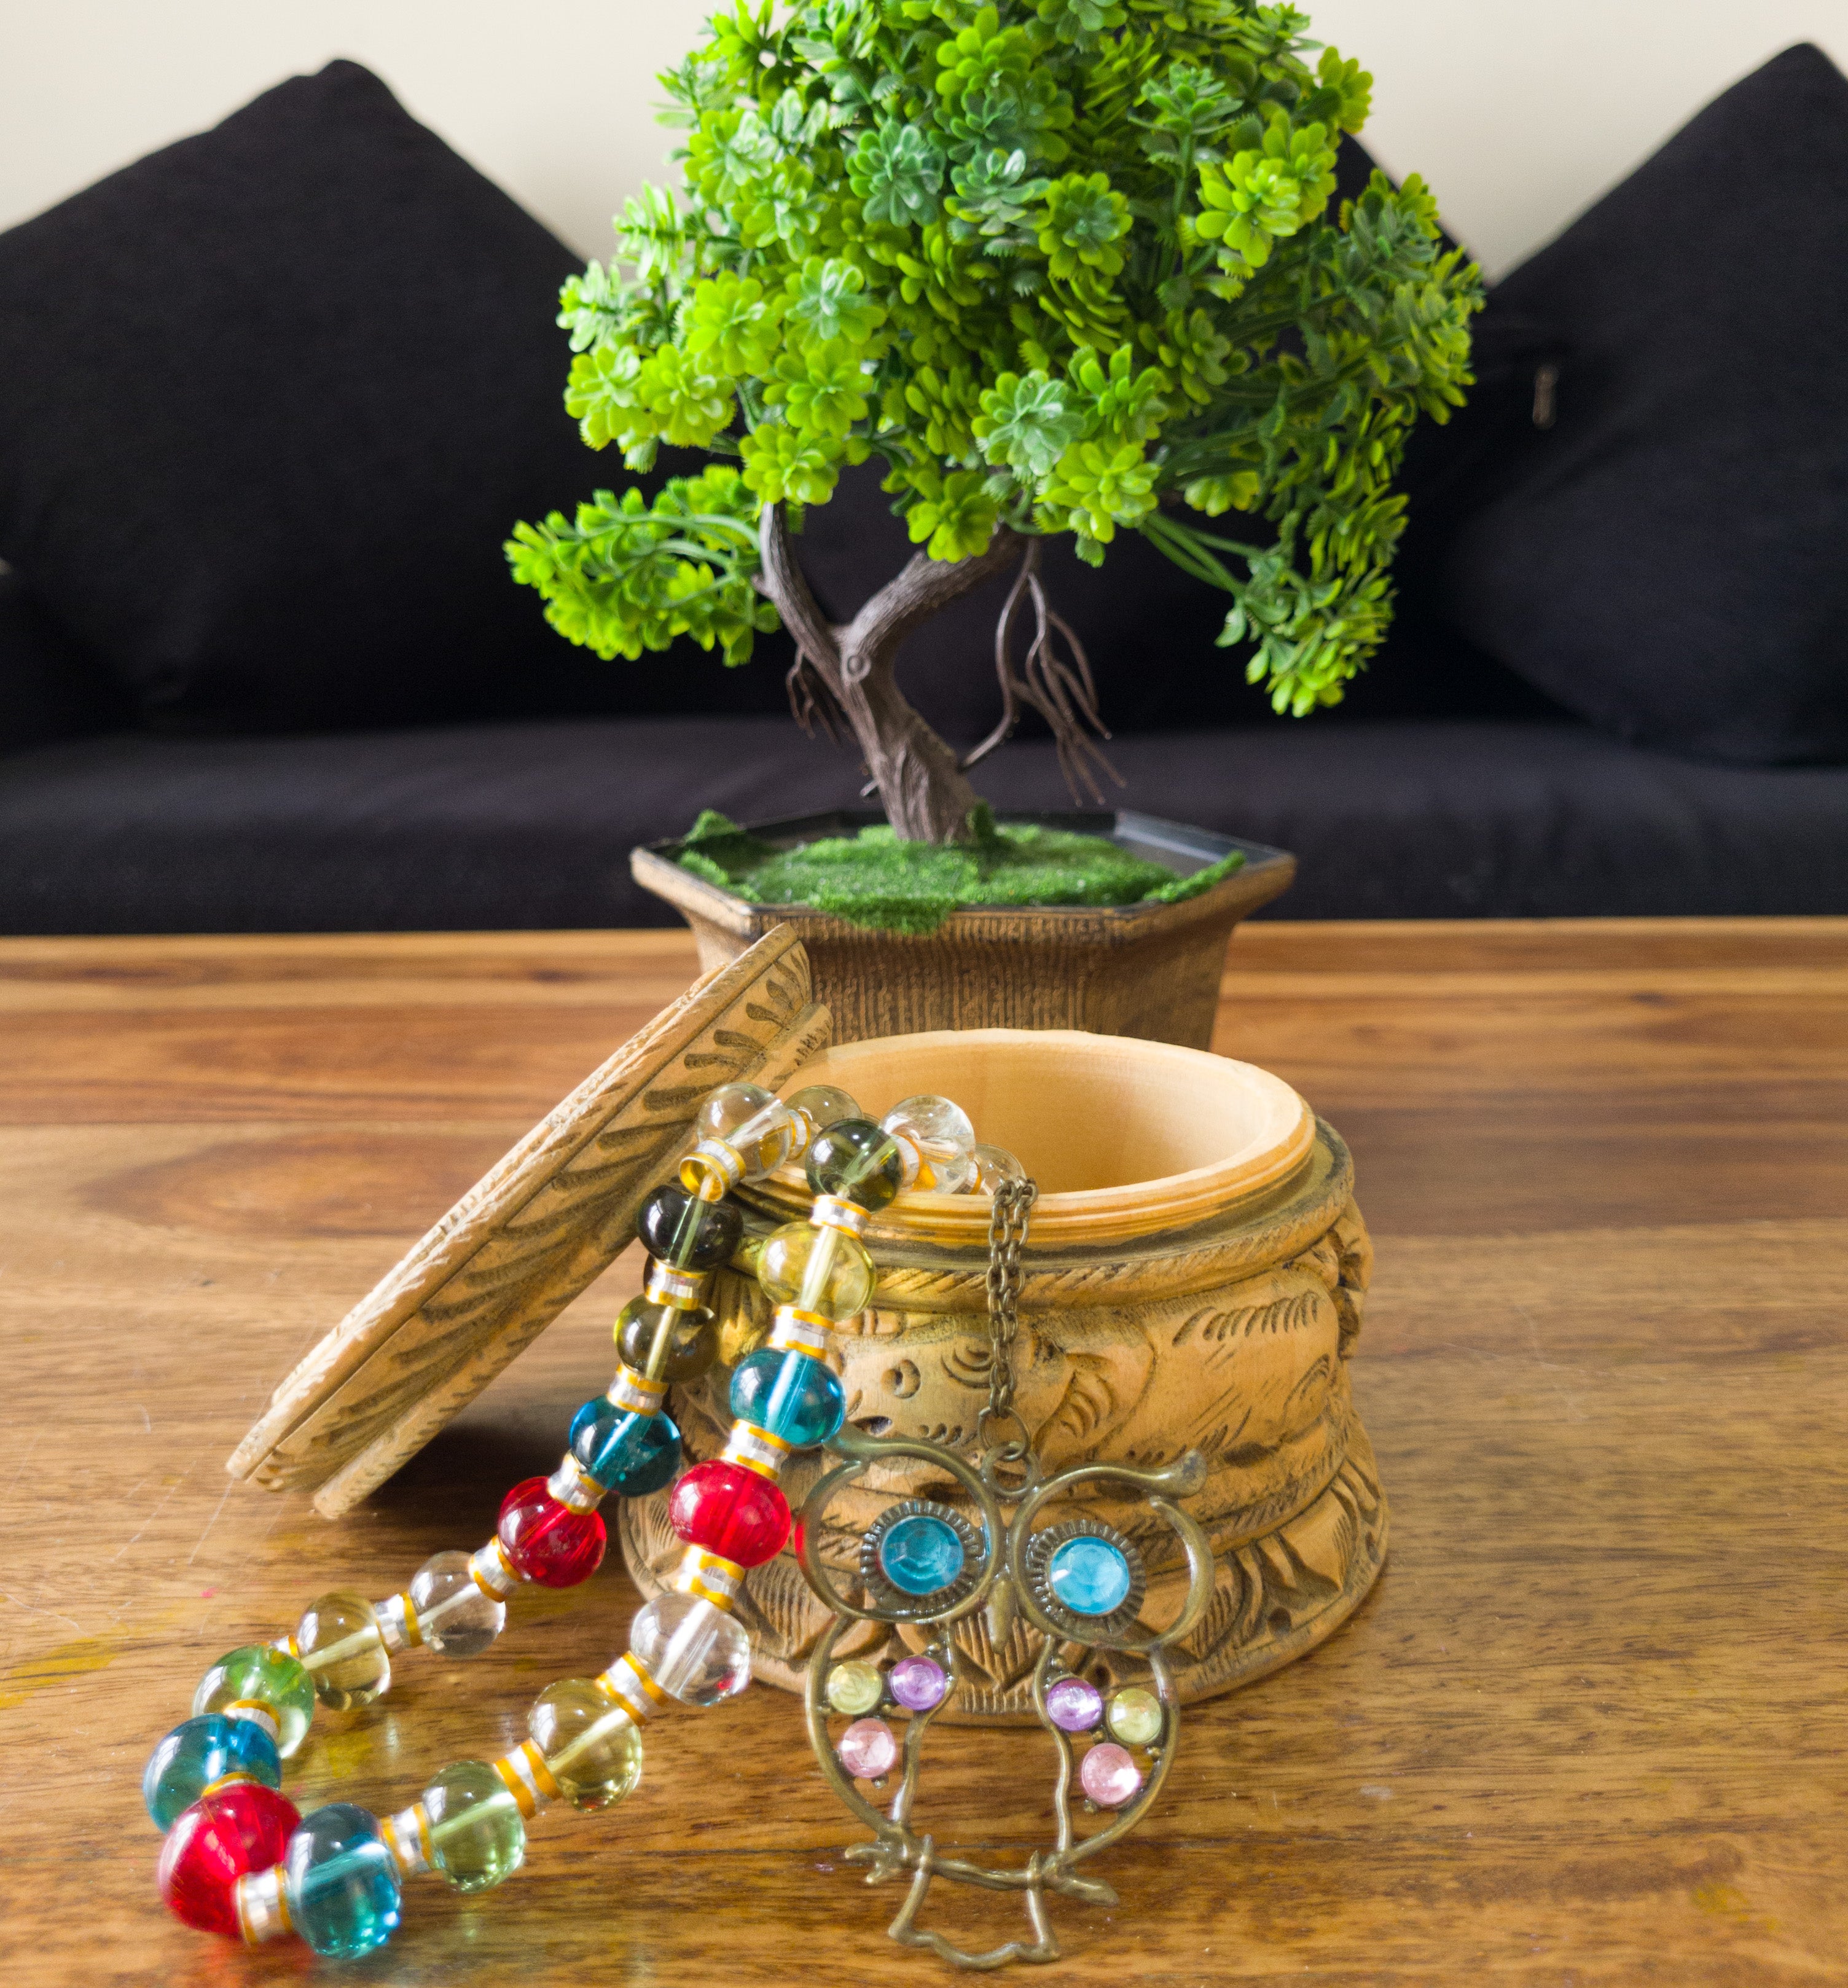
pixel 1090 1576
pixel 204 1750
pixel 793 1395
pixel 627 1453
pixel 343 1882
pixel 922 1554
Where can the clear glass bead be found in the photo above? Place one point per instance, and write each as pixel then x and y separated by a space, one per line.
pixel 993 1165
pixel 691 1346
pixel 754 1122
pixel 258 1675
pixel 825 1104
pixel 943 1138
pixel 591 1747
pixel 821 1270
pixel 338 1639
pixel 694 1651
pixel 455 1618
pixel 476 1836
pixel 343 1883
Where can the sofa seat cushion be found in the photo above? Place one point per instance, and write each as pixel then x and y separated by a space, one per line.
pixel 529 826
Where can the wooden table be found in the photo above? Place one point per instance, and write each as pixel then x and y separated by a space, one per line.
pixel 1589 1729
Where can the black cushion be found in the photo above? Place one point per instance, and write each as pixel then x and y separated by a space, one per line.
pixel 48 688
pixel 530 826
pixel 1670 558
pixel 273 398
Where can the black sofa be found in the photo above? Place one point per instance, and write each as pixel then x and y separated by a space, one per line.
pixel 192 740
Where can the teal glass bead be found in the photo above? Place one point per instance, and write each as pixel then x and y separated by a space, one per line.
pixel 921 1553
pixel 1090 1576
pixel 204 1750
pixel 477 1838
pixel 341 1882
pixel 794 1396
pixel 630 1454
pixel 259 1674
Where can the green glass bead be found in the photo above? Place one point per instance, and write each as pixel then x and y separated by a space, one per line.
pixel 692 1340
pixel 258 1675
pixel 476 1836
pixel 855 1687
pixel 857 1161
pixel 590 1745
pixel 338 1639
pixel 1134 1716
pixel 821 1270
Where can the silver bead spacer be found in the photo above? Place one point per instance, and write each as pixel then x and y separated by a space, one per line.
pixel 636 1392
pixel 910 1158
pixel 799 1332
pixel 406 1836
pixel 493 1574
pixel 831 1211
pixel 756 1449
pixel 710 1576
pixel 684 1290
pixel 262 1906
pixel 803 1130
pixel 397 1624
pixel 632 1689
pixel 573 1486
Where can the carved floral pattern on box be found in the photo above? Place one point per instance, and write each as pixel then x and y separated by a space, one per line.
pixel 1231 1336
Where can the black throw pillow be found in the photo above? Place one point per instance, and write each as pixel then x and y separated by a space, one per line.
pixel 48 689
pixel 1669 558
pixel 273 398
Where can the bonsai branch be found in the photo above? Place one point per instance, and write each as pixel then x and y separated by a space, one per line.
pixel 844 678
pixel 1064 693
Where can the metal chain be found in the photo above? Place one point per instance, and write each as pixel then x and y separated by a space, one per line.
pixel 1007 1233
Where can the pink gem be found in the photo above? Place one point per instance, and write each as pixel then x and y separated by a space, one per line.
pixel 1074 1705
pixel 868 1748
pixel 918 1684
pixel 1109 1776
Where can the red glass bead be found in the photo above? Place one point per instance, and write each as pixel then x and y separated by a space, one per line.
pixel 244 1828
pixel 730 1510
pixel 547 1541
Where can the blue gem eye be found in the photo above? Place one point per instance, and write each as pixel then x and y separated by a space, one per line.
pixel 1090 1576
pixel 921 1553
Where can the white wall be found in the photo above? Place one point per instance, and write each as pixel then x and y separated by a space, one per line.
pixel 1519 112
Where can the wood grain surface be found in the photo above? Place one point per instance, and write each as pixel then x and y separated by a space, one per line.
pixel 1588 1730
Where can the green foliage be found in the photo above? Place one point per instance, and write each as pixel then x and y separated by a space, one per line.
pixel 1064 265
pixel 873 879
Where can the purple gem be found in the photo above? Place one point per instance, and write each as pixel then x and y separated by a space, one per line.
pixel 1074 1707
pixel 868 1748
pixel 1109 1776
pixel 918 1684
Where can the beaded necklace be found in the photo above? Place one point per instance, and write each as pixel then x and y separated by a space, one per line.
pixel 240 1860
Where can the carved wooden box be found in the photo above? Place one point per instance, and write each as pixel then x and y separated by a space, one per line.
pixel 1195 1274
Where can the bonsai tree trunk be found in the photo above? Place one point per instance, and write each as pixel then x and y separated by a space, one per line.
pixel 919 777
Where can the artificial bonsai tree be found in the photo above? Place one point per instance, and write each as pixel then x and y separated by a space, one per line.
pixel 1062 266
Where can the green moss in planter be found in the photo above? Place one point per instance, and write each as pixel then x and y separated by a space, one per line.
pixel 872 879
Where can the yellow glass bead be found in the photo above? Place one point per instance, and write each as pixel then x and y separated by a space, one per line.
pixel 855 1687
pixel 820 1270
pixel 1134 1716
pixel 338 1640
pixel 590 1745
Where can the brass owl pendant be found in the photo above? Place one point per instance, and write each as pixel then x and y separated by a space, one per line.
pixel 1074 1579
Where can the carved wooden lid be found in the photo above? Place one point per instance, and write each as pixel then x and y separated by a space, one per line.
pixel 529 1236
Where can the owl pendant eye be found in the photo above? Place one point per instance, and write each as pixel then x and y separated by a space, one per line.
pixel 928 1564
